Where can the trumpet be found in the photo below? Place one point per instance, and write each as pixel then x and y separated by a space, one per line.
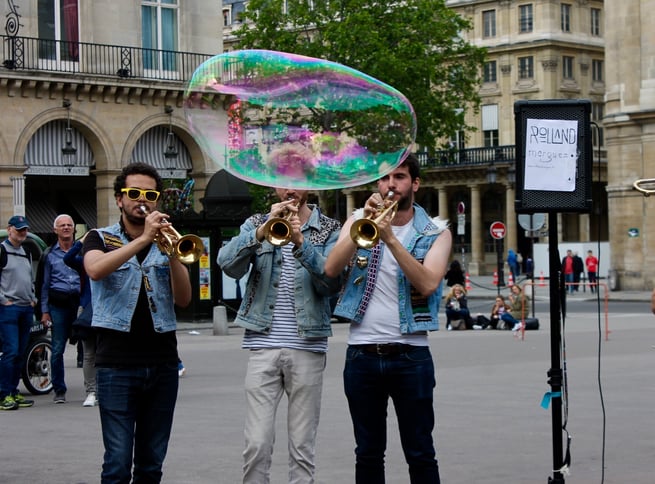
pixel 364 232
pixel 645 186
pixel 185 248
pixel 278 230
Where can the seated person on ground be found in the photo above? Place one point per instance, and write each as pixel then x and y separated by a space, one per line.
pixel 519 309
pixel 457 309
pixel 497 310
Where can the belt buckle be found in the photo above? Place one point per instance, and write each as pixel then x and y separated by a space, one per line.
pixel 379 349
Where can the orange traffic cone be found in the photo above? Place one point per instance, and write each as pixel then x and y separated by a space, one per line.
pixel 468 282
pixel 495 278
pixel 542 283
pixel 510 280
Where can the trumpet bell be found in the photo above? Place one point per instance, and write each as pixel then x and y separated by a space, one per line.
pixel 364 232
pixel 278 231
pixel 189 248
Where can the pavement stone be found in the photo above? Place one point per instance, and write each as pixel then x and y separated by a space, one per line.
pixel 491 426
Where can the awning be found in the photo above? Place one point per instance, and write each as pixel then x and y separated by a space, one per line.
pixel 151 146
pixel 40 215
pixel 85 208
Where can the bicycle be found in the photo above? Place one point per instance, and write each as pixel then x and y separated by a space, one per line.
pixel 36 371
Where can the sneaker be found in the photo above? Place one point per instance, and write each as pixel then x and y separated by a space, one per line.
pixel 60 397
pixel 8 403
pixel 181 371
pixel 517 326
pixel 22 401
pixel 477 326
pixel 90 400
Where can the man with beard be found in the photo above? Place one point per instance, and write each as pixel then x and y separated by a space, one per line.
pixel 286 313
pixel 391 298
pixel 134 288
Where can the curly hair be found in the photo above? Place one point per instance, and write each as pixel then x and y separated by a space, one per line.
pixel 137 168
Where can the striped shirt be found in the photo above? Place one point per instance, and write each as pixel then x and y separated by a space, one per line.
pixel 284 328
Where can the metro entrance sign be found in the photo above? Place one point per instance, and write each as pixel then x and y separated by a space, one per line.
pixel 498 230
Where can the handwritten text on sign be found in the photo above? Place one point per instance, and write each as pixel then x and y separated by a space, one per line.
pixel 551 153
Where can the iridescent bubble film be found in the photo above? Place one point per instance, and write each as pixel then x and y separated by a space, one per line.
pixel 285 120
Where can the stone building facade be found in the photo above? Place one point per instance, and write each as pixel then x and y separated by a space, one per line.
pixel 630 128
pixel 86 87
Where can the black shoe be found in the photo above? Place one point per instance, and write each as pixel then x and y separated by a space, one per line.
pixel 60 397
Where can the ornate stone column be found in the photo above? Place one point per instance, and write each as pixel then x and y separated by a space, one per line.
pixel 477 253
pixel 18 188
pixel 443 203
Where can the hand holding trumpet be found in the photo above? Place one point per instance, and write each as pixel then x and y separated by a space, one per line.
pixel 376 225
pixel 187 249
pixel 283 224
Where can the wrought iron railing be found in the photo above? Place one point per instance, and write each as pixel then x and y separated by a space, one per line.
pixel 33 54
pixel 468 156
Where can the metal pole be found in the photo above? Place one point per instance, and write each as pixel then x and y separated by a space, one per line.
pixel 555 375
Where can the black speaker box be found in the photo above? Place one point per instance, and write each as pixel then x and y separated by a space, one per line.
pixel 553 156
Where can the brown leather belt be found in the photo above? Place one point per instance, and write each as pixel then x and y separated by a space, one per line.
pixel 385 349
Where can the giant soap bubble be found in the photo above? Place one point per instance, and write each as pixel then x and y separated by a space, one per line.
pixel 291 121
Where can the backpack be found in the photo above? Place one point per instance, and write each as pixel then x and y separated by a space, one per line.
pixel 4 253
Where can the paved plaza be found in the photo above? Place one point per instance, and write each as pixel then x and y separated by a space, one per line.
pixel 491 427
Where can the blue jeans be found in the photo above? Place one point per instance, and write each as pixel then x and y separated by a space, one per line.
pixel 509 319
pixel 136 414
pixel 568 279
pixel 15 324
pixel 408 378
pixel 62 322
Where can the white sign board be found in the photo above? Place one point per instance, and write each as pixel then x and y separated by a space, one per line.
pixel 551 153
pixel 58 170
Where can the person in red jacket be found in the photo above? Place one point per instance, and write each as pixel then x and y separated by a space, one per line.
pixel 592 269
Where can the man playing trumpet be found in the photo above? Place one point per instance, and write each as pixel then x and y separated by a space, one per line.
pixel 286 313
pixel 134 287
pixel 392 297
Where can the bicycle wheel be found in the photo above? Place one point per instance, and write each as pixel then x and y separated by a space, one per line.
pixel 36 373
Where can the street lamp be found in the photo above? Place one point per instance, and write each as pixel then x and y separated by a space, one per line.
pixel 170 152
pixel 68 150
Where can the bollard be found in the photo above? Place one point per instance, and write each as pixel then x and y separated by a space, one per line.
pixel 220 321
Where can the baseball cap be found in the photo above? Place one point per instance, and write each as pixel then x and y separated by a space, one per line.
pixel 18 222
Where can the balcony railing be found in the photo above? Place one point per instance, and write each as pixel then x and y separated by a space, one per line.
pixel 32 54
pixel 468 156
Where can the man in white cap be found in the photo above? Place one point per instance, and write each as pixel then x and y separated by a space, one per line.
pixel 17 302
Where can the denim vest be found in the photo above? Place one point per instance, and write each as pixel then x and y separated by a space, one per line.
pixel 114 298
pixel 312 287
pixel 416 312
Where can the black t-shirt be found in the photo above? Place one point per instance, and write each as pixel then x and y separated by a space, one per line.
pixel 142 345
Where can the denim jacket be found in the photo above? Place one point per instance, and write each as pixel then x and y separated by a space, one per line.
pixel 311 286
pixel 416 312
pixel 114 298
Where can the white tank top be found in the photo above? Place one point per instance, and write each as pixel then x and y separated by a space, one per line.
pixel 381 322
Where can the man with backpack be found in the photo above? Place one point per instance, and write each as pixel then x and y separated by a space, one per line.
pixel 17 302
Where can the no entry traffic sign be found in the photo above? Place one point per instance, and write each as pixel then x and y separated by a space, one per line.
pixel 497 230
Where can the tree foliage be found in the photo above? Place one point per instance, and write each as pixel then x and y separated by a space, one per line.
pixel 416 46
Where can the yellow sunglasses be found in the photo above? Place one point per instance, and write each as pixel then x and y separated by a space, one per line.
pixel 136 193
